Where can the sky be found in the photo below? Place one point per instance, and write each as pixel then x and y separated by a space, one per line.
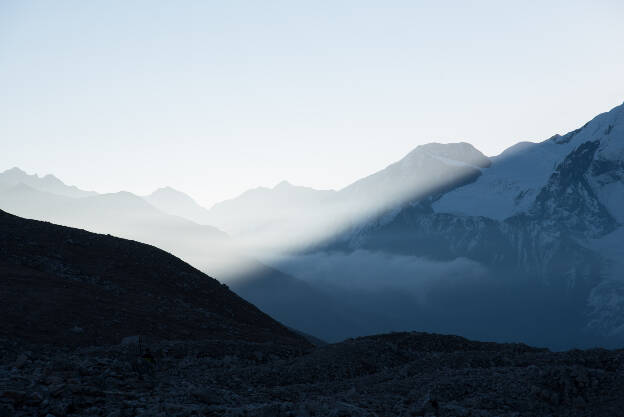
pixel 214 98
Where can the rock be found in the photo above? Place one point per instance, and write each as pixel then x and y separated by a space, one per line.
pixel 21 361
pixel 52 380
pixel 77 330
pixel 209 396
pixel 455 410
pixel 6 410
pixel 14 396
pixel 33 399
pixel 56 390
pixel 130 340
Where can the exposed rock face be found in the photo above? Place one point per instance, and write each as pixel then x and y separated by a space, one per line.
pixel 568 202
pixel 399 374
pixel 66 286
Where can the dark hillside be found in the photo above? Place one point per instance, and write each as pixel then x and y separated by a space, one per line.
pixel 66 286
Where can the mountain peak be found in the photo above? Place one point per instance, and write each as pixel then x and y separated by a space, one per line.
pixel 167 197
pixel 462 152
pixel 178 203
pixel 606 125
pixel 14 170
pixel 15 174
pixel 167 190
pixel 48 183
pixel 283 184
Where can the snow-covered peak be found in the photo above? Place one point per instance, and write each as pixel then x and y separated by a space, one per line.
pixel 515 177
pixel 602 125
pixel 428 169
pixel 462 152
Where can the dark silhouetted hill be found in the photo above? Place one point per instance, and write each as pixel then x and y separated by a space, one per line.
pixel 66 286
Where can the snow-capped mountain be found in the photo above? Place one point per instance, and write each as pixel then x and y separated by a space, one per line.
pixel 516 176
pixel 541 210
pixel 571 185
pixel 288 216
pixel 428 168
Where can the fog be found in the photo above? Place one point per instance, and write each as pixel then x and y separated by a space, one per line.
pixel 364 270
pixel 371 292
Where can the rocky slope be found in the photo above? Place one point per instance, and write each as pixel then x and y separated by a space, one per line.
pixel 70 287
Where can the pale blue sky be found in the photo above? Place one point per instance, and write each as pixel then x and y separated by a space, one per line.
pixel 214 98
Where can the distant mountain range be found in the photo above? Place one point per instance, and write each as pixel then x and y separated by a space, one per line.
pixel 47 183
pixel 122 214
pixel 158 220
pixel 536 233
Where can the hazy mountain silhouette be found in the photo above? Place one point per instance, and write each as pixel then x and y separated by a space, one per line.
pixel 48 183
pixel 263 217
pixel 177 203
pixel 122 214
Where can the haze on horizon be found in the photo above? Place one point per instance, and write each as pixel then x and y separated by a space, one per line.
pixel 214 99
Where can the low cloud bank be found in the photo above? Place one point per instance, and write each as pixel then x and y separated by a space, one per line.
pixel 366 271
pixel 376 292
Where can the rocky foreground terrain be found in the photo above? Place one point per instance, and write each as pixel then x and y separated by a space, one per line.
pixel 401 374
pixel 72 305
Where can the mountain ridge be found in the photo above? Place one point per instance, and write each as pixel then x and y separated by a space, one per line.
pixel 48 183
pixel 80 288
